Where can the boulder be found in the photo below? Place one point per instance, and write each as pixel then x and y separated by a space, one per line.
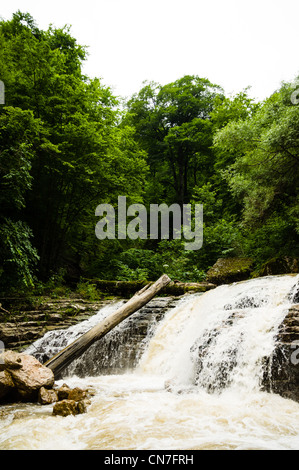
pixel 31 377
pixel 10 360
pixel 6 384
pixel 22 376
pixel 228 270
pixel 65 408
pixel 279 265
pixel 63 392
pixel 68 407
pixel 47 396
pixel 77 394
pixel 71 401
pixel 66 393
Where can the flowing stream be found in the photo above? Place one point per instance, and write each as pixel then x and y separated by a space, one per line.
pixel 196 385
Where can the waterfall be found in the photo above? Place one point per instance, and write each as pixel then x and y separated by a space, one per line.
pixel 191 379
pixel 222 338
pixel 212 341
pixel 54 341
pixel 117 352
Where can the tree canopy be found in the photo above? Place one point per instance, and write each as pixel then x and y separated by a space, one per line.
pixel 66 146
pixel 265 174
pixel 62 151
pixel 174 127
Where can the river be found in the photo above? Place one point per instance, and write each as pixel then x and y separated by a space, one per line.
pixel 172 401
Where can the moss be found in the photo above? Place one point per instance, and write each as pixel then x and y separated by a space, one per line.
pixel 181 288
pixel 278 265
pixel 227 270
pixel 119 288
pixel 129 288
pixel 70 312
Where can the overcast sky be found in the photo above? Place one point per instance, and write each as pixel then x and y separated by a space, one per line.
pixel 233 43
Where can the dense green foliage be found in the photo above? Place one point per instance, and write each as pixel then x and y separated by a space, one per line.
pixel 62 151
pixel 264 175
pixel 66 146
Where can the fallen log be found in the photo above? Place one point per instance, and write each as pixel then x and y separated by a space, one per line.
pixel 61 360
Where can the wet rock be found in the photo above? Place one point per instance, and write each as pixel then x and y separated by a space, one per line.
pixel 82 406
pixel 71 401
pixel 46 396
pixel 295 294
pixel 66 393
pixel 6 384
pixel 63 392
pixel 22 376
pixel 77 394
pixel 65 408
pixel 281 369
pixel 68 407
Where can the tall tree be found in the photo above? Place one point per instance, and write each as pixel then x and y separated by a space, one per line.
pixel 78 148
pixel 173 125
pixel 265 174
pixel 18 130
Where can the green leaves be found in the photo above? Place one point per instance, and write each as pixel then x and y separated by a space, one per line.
pixel 62 151
pixel 65 148
pixel 17 256
pixel 173 125
pixel 265 173
pixel 18 130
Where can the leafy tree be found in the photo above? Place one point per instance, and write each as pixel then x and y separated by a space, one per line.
pixel 173 125
pixel 18 130
pixel 79 156
pixel 264 175
pixel 18 257
pixel 65 147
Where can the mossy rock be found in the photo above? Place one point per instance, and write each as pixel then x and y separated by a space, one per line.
pixel 279 265
pixel 228 270
pixel 181 288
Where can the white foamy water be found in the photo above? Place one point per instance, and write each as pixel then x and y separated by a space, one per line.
pixel 135 411
pixel 54 341
pixel 236 324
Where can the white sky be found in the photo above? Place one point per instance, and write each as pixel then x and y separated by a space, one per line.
pixel 233 43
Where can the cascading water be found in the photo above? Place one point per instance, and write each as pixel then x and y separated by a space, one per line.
pixel 54 341
pixel 197 384
pixel 221 338
pixel 116 352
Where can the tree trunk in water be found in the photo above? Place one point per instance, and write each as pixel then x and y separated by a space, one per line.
pixel 61 360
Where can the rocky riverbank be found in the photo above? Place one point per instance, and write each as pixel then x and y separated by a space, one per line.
pixel 282 368
pixel 24 379
pixel 23 321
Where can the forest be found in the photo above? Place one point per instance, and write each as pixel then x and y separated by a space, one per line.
pixel 67 144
